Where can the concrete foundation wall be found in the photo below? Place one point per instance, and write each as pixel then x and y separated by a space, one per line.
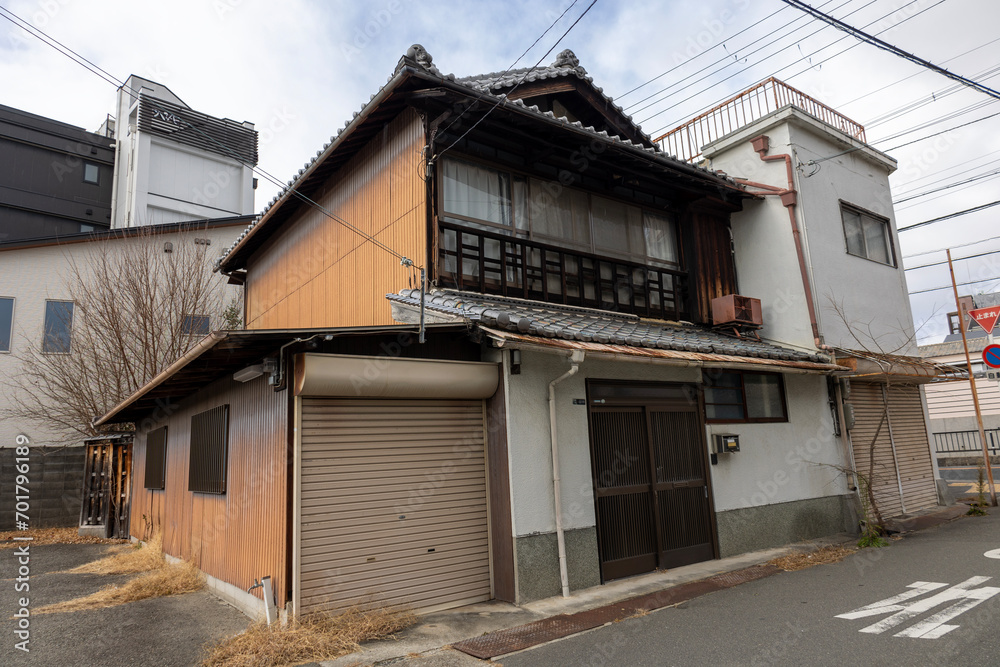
pixel 537 558
pixel 55 486
pixel 766 526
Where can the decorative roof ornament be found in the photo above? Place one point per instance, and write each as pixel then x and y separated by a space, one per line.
pixel 566 58
pixel 418 54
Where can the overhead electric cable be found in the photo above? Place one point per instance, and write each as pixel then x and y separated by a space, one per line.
pixel 949 216
pixel 885 46
pixel 938 289
pixel 506 71
pixel 705 52
pixel 951 247
pixel 967 181
pixel 503 98
pixel 954 259
pixel 807 56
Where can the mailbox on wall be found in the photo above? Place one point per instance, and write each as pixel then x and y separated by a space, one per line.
pixel 727 444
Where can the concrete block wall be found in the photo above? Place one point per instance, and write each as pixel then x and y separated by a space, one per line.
pixel 55 486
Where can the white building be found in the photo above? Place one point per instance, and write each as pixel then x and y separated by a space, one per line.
pixel 174 163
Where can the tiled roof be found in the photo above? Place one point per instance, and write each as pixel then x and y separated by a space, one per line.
pixel 566 64
pixel 976 344
pixel 587 325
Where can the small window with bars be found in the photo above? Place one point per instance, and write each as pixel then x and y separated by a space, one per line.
pixel 209 451
pixel 156 459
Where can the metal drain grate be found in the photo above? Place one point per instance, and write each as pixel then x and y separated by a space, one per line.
pixel 730 579
pixel 521 637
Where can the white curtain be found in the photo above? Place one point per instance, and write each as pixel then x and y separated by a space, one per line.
pixel 476 192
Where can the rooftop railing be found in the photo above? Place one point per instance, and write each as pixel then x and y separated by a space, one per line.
pixel 686 141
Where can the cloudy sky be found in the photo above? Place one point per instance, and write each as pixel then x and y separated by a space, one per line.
pixel 298 69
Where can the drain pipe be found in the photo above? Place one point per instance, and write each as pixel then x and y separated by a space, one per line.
pixel 576 358
pixel 789 200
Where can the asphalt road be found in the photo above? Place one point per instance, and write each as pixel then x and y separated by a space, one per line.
pixel 164 632
pixel 962 480
pixel 792 618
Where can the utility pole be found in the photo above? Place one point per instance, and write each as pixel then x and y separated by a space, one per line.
pixel 972 383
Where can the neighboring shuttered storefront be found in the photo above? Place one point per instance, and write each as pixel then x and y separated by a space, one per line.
pixel 903 475
pixel 393 503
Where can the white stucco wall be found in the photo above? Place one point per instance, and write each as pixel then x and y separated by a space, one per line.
pixel 789 457
pixel 33 275
pixel 873 296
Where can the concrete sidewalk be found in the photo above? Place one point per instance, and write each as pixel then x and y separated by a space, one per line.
pixel 428 644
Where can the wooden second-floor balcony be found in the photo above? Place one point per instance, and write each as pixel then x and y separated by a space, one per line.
pixel 494 263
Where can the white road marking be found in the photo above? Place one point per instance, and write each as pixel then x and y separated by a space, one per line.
pixel 993 554
pixel 933 626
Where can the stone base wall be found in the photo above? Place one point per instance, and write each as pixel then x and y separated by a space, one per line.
pixel 767 526
pixel 537 563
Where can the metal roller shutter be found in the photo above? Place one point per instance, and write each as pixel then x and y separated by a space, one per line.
pixel 393 503
pixel 913 452
pixel 866 397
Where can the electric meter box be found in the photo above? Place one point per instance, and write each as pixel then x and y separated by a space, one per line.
pixel 727 444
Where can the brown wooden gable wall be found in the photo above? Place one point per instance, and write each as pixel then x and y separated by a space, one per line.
pixel 318 273
pixel 711 271
pixel 240 535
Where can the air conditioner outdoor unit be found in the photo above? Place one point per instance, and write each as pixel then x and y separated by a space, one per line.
pixel 736 310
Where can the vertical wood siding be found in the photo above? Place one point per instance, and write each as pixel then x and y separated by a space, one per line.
pixel 239 535
pixel 711 270
pixel 307 276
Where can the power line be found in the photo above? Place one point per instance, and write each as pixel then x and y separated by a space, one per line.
pixel 947 187
pixel 938 289
pixel 502 99
pixel 770 42
pixel 83 62
pixel 699 55
pixel 951 247
pixel 789 78
pixel 885 46
pixel 950 129
pixel 506 71
pixel 954 259
pixel 949 216
pixel 906 78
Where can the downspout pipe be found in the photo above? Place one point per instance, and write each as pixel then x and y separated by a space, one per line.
pixel 576 358
pixel 789 199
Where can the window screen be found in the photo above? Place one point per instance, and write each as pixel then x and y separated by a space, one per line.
pixel 195 325
pixel 156 458
pixel 209 449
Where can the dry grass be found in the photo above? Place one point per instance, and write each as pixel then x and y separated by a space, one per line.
pixel 167 580
pixel 128 559
pixel 800 561
pixel 311 639
pixel 50 536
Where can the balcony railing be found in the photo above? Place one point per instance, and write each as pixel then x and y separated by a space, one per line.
pixel 491 263
pixel 687 141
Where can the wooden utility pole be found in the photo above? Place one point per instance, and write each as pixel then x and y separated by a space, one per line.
pixel 972 383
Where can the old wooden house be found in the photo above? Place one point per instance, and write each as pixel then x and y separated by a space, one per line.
pixel 555 404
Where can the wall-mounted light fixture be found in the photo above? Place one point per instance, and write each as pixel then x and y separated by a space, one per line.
pixel 515 362
pixel 168 247
pixel 249 373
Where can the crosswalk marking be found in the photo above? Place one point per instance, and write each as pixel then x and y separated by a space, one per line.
pixel 964 596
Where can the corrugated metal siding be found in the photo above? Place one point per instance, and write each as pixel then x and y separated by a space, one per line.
pixel 954 399
pixel 393 503
pixel 307 275
pixel 913 453
pixel 240 535
pixel 866 397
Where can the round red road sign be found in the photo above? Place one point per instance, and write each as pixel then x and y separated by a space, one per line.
pixel 991 355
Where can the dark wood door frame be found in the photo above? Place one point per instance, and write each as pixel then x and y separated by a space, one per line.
pixel 619 395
